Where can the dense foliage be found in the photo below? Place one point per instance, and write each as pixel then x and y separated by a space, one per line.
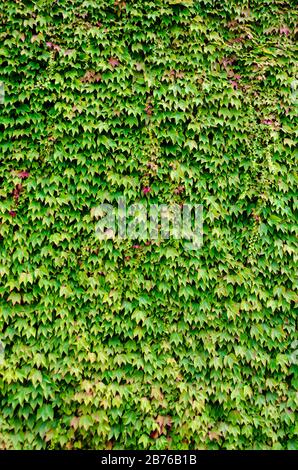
pixel 118 344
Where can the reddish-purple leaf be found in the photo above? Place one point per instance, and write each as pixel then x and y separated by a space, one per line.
pixel 149 109
pixel 267 122
pixel 284 30
pixel 53 46
pixel 114 62
pixel 234 84
pixel 24 174
pixel 17 191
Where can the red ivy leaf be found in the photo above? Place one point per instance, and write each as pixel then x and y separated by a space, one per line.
pixel 53 46
pixel 24 174
pixel 284 30
pixel 267 122
pixel 114 62
pixel 234 84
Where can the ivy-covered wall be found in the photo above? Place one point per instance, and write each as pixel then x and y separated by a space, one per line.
pixel 132 345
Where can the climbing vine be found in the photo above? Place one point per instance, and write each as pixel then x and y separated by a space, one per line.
pixel 122 343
